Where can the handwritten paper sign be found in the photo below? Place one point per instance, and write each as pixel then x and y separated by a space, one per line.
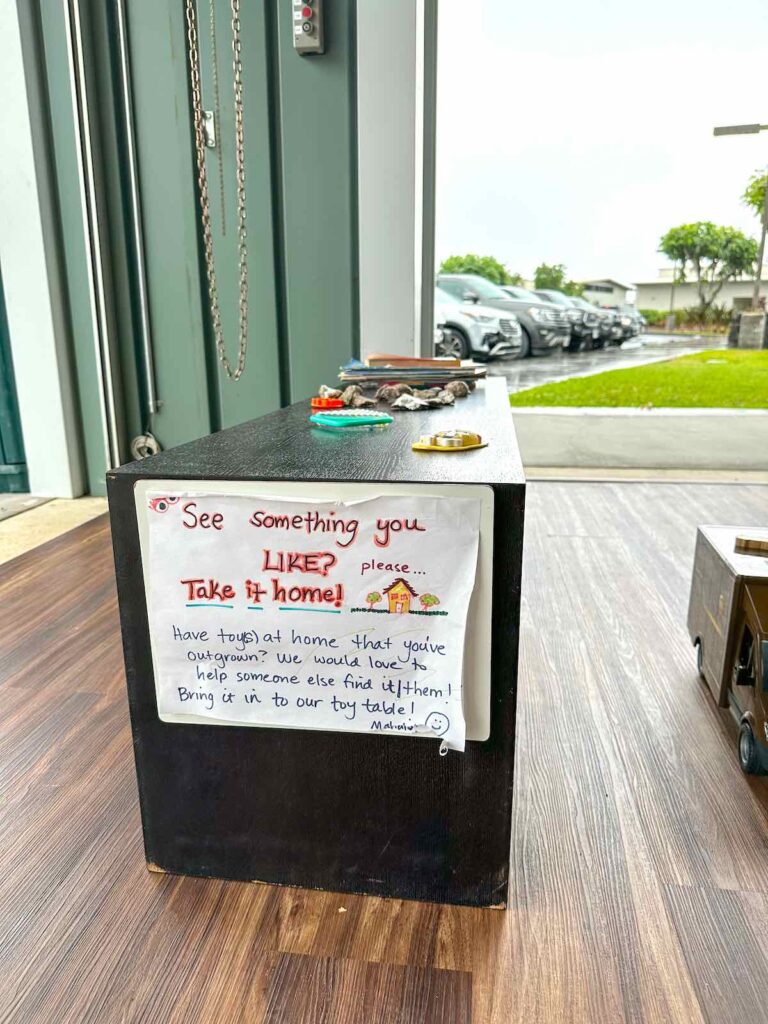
pixel 346 616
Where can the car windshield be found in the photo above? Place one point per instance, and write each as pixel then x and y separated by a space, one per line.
pixel 581 303
pixel 555 297
pixel 459 286
pixel 522 293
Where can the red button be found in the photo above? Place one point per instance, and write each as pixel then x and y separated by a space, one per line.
pixel 306 12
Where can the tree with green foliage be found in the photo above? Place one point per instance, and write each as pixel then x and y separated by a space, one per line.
pixel 549 275
pixel 709 255
pixel 552 275
pixel 373 598
pixel 485 266
pixel 754 194
pixel 429 601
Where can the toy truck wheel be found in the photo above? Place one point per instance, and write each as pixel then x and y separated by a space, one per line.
pixel 700 659
pixel 749 755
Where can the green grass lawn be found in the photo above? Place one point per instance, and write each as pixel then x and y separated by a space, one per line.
pixel 718 379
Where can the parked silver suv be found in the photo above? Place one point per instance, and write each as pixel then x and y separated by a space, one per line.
pixel 471 329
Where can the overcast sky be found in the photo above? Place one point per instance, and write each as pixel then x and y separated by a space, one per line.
pixel 578 133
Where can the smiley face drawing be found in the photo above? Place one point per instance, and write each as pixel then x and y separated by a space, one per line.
pixel 437 723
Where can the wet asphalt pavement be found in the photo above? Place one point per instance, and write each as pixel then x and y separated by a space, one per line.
pixel 648 348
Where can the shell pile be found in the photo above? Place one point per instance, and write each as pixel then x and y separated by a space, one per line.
pixel 400 396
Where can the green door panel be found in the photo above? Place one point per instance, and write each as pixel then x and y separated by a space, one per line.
pixel 163 130
pixel 301 196
pixel 319 198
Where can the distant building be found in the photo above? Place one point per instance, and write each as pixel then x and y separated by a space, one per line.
pixel 658 294
pixel 606 292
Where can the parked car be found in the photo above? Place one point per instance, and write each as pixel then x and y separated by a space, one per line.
pixel 632 320
pixel 585 323
pixel 608 322
pixel 470 329
pixel 545 328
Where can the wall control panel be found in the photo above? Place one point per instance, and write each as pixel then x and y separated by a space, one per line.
pixel 308 26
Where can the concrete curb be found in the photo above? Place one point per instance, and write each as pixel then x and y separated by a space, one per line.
pixel 721 439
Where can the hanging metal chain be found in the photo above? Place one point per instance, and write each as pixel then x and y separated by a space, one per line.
pixel 202 184
pixel 217 111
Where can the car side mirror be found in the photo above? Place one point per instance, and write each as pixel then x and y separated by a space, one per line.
pixel 471 296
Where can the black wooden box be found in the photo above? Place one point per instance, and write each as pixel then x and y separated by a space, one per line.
pixel 364 813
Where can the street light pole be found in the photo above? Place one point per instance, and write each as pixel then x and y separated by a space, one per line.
pixel 739 129
pixel 752 129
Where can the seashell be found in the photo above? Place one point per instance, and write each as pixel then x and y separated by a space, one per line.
pixel 428 393
pixel 410 403
pixel 325 392
pixel 458 388
pixel 441 398
pixel 389 392
pixel 360 401
pixel 349 393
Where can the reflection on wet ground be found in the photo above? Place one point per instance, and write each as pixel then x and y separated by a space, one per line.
pixel 650 348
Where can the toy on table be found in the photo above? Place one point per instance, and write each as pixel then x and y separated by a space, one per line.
pixel 319 402
pixel 449 441
pixel 350 419
pixel 728 625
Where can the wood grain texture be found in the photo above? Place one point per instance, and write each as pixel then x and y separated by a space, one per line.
pixel 639 890
pixel 709 925
pixel 331 990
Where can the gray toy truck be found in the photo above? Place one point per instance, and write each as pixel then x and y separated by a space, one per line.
pixel 728 625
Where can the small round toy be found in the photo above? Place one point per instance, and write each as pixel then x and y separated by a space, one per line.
pixel 449 441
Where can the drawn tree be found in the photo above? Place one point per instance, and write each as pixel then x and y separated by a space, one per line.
pixel 373 598
pixel 428 601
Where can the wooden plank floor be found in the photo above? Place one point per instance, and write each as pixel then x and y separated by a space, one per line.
pixel 639 855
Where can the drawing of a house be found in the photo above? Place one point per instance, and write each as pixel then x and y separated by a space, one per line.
pixel 399 595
